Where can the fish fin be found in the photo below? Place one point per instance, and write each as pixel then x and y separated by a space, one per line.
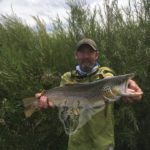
pixel 75 118
pixel 69 118
pixel 30 105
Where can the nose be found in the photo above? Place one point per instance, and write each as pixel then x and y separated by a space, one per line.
pixel 86 55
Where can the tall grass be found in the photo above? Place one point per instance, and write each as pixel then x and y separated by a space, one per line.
pixel 33 60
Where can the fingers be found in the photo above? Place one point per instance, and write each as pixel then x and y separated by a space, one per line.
pixel 38 95
pixel 43 101
pixel 135 92
pixel 133 97
pixel 133 85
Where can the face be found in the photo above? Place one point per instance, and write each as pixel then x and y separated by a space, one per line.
pixel 86 57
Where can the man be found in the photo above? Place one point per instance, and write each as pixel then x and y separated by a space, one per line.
pixel 98 133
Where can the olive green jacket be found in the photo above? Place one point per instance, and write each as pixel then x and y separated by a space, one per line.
pixel 98 133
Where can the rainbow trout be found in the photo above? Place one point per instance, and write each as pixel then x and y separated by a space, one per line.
pixel 77 103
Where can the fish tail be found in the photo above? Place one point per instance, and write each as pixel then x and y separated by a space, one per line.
pixel 30 105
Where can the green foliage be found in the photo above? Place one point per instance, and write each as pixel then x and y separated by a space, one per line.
pixel 33 59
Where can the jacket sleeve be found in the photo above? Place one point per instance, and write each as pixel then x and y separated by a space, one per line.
pixel 65 79
pixel 106 72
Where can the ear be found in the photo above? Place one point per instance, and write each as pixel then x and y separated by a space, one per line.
pixel 97 55
pixel 75 54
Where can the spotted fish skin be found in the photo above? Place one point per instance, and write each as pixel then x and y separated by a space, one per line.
pixel 90 94
pixel 77 103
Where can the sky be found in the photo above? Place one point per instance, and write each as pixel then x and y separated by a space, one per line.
pixel 47 10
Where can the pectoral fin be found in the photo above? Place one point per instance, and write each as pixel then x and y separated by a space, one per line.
pixel 70 118
pixel 75 118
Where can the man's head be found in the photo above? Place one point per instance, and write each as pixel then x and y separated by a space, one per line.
pixel 86 54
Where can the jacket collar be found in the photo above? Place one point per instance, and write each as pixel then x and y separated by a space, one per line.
pixel 84 74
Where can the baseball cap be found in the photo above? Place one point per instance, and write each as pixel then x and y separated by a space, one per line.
pixel 87 41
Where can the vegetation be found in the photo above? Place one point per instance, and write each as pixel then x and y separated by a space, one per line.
pixel 32 60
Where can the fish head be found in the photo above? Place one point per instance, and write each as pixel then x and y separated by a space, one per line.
pixel 117 87
pixel 125 91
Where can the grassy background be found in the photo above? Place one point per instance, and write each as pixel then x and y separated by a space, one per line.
pixel 32 60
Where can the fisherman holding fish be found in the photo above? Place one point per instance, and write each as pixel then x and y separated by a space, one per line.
pixel 98 132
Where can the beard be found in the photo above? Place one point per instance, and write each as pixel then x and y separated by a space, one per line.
pixel 86 66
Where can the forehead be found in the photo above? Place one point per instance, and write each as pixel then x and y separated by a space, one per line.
pixel 85 48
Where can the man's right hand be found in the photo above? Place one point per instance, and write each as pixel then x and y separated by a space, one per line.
pixel 43 101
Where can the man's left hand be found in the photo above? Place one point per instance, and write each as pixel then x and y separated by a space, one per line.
pixel 134 88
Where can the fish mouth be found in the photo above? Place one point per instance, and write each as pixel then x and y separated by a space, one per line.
pixel 122 90
pixel 128 77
